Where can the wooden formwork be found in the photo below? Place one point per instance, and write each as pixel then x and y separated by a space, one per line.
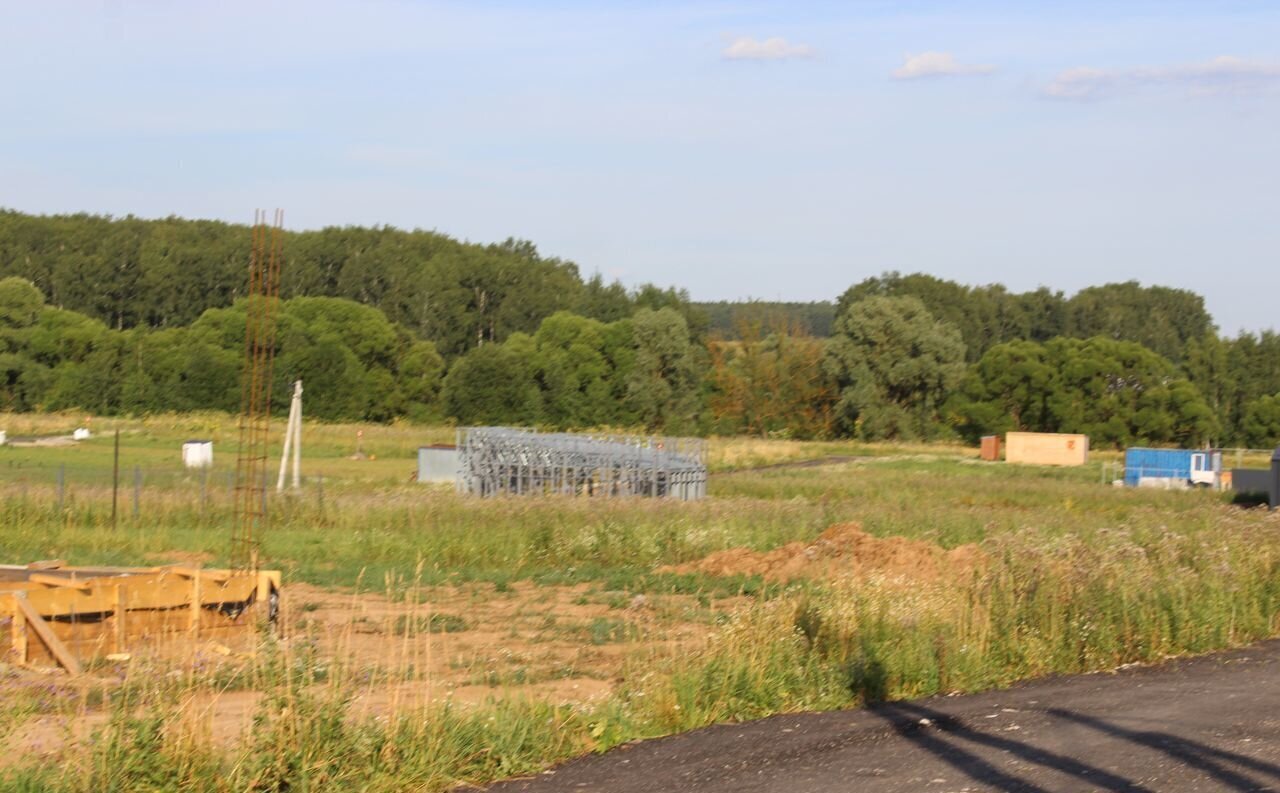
pixel 69 616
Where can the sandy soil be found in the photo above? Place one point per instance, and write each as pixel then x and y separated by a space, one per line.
pixel 843 550
pixel 463 644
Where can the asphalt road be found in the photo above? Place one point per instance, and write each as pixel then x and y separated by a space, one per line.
pixel 1208 723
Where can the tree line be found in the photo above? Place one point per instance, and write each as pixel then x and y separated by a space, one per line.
pixel 917 357
pixel 132 316
pixel 355 364
pixel 135 273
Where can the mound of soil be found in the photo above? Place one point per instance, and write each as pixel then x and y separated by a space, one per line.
pixel 843 550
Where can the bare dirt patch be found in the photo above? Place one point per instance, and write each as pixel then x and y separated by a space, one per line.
pixel 465 644
pixel 842 551
pixel 521 635
pixel 46 441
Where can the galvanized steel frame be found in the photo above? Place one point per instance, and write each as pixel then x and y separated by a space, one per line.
pixel 507 460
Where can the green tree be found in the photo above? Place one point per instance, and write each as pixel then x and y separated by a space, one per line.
pixel 23 380
pixel 606 302
pixel 336 384
pixel 894 364
pixel 1162 319
pixel 419 372
pixel 492 384
pixel 1113 391
pixel 1252 371
pixel 984 315
pixel 20 303
pixel 1261 423
pixel 573 371
pixel 655 298
pixel 665 373
pixel 1007 389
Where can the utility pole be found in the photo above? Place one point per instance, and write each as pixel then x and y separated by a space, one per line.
pixel 292 440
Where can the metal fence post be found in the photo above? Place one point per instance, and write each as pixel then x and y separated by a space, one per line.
pixel 115 484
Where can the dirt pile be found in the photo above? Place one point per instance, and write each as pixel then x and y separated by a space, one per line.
pixel 843 550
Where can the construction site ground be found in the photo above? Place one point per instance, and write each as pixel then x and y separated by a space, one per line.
pixel 465 644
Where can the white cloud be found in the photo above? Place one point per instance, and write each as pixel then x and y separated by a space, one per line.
pixel 937 64
pixel 745 48
pixel 1222 74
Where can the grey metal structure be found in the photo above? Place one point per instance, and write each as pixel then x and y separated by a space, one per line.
pixel 507 460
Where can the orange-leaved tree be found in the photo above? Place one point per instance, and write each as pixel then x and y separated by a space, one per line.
pixel 770 380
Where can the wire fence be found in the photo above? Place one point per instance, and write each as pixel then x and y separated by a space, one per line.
pixel 94 494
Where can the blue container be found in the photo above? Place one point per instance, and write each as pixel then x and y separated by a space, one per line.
pixel 1192 467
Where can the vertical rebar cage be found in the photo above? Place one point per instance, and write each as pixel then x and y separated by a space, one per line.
pixel 265 260
pixel 512 461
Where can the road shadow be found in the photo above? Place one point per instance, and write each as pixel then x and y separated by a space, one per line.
pixel 908 718
pixel 1208 759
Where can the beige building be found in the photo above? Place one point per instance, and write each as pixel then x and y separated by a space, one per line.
pixel 1046 448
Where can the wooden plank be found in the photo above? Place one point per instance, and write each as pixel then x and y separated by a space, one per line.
pixel 267 581
pixel 195 604
pixel 191 572
pixel 18 633
pixel 47 564
pixel 120 621
pixel 55 645
pixel 66 601
pixel 161 590
pixel 109 571
pixel 54 580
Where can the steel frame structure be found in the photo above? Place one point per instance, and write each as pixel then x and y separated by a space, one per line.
pixel 265 260
pixel 511 461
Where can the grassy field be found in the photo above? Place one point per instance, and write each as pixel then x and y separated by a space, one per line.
pixel 1073 575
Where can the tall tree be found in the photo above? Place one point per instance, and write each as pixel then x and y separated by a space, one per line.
pixel 573 371
pixel 894 364
pixel 1007 389
pixel 984 315
pixel 1260 426
pixel 1113 391
pixel 492 384
pixel 1162 319
pixel 663 387
pixel 770 380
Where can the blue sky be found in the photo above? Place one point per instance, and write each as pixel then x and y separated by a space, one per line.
pixel 738 149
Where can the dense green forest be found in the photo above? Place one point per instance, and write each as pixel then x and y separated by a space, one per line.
pixel 133 316
pixel 725 318
pixel 130 273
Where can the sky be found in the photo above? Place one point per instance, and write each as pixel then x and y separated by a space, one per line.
pixel 779 151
